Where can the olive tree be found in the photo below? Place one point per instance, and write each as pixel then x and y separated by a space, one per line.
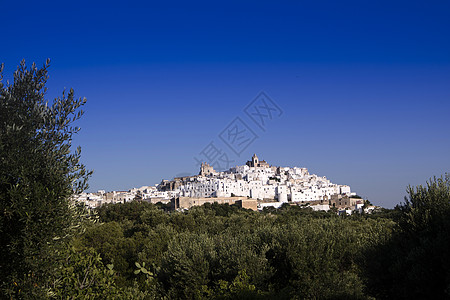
pixel 415 262
pixel 39 172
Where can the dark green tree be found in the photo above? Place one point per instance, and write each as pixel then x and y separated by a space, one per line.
pixel 39 172
pixel 415 262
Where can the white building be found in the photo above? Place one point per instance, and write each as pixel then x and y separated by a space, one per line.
pixel 260 181
pixel 256 179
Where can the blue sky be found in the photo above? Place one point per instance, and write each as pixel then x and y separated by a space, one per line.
pixel 364 87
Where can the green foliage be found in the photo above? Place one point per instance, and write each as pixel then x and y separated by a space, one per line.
pixel 185 266
pixel 427 208
pixel 142 269
pixel 122 211
pixel 108 240
pixel 240 288
pixel 82 275
pixel 223 252
pixel 38 174
pixel 415 262
pixel 317 258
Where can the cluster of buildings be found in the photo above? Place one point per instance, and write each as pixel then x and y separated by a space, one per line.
pixel 255 185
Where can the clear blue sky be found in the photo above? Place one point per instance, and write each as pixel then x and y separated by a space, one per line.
pixel 364 86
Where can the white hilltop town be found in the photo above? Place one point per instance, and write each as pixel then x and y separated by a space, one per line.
pixel 255 185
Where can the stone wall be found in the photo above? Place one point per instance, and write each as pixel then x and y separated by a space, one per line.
pixel 188 202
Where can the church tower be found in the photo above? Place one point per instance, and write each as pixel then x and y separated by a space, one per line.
pixel 255 160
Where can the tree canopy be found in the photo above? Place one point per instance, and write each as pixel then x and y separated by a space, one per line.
pixel 39 171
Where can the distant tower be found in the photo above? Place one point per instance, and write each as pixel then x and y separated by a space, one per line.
pixel 206 170
pixel 255 160
pixel 256 163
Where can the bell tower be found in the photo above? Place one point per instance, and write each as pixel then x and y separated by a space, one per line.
pixel 255 160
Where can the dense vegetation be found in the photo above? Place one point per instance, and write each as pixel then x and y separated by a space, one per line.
pixel 219 251
pixel 53 249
